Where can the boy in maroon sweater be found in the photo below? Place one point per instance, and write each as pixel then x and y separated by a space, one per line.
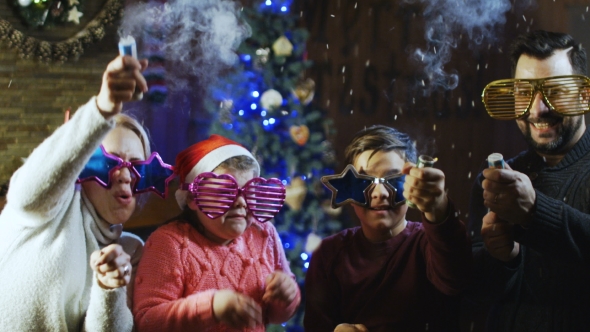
pixel 389 274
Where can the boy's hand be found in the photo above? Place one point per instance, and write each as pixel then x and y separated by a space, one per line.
pixel 281 287
pixel 425 187
pixel 119 82
pixel 236 310
pixel 497 236
pixel 112 266
pixel 351 328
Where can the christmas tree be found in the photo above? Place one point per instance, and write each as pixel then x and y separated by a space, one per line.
pixel 266 105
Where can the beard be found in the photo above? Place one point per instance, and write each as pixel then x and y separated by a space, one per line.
pixel 565 134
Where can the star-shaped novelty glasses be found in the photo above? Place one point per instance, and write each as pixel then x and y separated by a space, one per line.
pixel 352 187
pixel 151 174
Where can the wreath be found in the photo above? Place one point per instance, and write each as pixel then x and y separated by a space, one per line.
pixel 45 51
pixel 48 13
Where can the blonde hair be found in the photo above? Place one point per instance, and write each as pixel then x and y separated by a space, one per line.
pixel 127 121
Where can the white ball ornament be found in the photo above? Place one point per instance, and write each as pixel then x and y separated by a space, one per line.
pixel 24 3
pixel 271 99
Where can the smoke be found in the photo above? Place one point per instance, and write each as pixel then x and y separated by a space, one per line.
pixel 198 38
pixel 446 22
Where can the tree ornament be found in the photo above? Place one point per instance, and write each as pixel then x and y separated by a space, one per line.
pixel 282 46
pixel 312 243
pixel 225 108
pixel 299 134
pixel 24 3
pixel 304 91
pixel 226 105
pixel 74 15
pixel 329 210
pixel 271 99
pixel 261 57
pixel 296 192
pixel 56 9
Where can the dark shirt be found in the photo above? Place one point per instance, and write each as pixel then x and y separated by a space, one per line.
pixel 547 286
pixel 407 283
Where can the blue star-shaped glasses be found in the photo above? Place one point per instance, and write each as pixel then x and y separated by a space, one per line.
pixel 151 174
pixel 352 187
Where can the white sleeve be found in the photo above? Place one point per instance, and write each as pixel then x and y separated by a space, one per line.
pixel 108 310
pixel 46 180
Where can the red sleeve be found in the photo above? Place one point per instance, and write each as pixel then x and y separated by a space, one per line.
pixel 158 303
pixel 321 292
pixel 448 253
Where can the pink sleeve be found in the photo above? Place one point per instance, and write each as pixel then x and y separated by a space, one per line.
pixel 279 312
pixel 158 303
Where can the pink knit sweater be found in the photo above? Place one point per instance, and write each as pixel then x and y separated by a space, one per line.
pixel 181 269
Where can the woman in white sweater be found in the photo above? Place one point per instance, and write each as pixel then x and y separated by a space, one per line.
pixel 64 260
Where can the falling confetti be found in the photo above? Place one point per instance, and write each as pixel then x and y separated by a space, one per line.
pixel 469 175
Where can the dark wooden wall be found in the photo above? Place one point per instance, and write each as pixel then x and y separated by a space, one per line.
pixel 365 75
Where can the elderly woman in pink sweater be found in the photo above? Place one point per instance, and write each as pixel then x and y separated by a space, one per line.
pixel 220 265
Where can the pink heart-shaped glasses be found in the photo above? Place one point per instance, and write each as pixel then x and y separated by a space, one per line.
pixel 215 194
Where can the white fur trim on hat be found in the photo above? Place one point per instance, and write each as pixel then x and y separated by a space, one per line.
pixel 208 163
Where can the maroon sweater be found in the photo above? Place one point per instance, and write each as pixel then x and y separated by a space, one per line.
pixel 407 283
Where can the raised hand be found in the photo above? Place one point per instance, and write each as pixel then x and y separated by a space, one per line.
pixel 280 287
pixel 119 82
pixel 236 310
pixel 112 266
pixel 425 187
pixel 510 194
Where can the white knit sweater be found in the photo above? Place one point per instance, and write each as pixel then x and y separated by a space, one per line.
pixel 48 230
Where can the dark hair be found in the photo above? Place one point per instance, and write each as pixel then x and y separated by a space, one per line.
pixel 542 44
pixel 380 138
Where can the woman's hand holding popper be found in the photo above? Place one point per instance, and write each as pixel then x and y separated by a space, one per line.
pixel 119 83
pixel 112 266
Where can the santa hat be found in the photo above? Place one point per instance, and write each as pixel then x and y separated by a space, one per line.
pixel 205 156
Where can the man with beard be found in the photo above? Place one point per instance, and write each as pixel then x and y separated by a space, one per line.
pixel 531 221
